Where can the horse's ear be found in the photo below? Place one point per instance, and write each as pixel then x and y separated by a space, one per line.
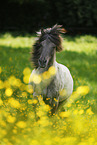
pixel 59 46
pixel 58 29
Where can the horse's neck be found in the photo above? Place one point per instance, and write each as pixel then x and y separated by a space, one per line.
pixel 53 60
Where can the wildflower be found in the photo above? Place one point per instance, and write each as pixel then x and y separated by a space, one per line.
pixel 26 79
pixel 1 84
pixel 27 71
pixel 52 70
pixel 55 100
pixel 30 101
pixel 82 90
pixel 65 114
pixel 1 102
pixel 36 79
pixel 35 101
pixel 21 124
pixel 34 142
pixel 89 111
pixel 46 75
pixel 11 119
pixel 7 84
pixel 69 140
pixel 18 82
pixel 8 92
pixel 14 131
pixel 14 103
pixel 30 89
pixel 83 143
pixel 12 80
pixel 24 94
pixel 81 111
pixel 43 121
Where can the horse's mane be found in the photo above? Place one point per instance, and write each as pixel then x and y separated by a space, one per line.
pixel 53 34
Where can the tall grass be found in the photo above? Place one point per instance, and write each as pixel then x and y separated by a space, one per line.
pixel 20 124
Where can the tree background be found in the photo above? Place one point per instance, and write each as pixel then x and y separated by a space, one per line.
pixel 30 15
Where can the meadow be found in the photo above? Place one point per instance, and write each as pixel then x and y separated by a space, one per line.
pixel 18 121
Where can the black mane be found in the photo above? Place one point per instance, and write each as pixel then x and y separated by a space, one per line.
pixel 53 34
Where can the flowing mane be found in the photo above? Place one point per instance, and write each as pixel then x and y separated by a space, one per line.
pixel 53 34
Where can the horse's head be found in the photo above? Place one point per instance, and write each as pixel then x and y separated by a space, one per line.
pixel 47 53
pixel 48 43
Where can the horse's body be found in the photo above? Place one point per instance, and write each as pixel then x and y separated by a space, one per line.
pixel 61 81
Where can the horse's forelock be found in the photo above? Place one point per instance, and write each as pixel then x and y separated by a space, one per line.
pixel 53 34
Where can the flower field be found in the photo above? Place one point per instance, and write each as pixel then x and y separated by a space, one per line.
pixel 27 121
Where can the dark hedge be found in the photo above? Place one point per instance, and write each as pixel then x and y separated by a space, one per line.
pixel 31 15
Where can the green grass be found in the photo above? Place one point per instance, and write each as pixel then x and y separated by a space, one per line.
pixel 79 55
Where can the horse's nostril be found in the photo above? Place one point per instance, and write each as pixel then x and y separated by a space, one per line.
pixel 42 62
pixel 45 61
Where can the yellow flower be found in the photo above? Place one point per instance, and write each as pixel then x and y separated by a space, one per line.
pixel 1 102
pixel 18 82
pixel 1 84
pixel 69 140
pixel 89 111
pixel 12 80
pixel 14 103
pixel 83 143
pixel 27 71
pixel 7 84
pixel 52 70
pixel 8 92
pixel 65 114
pixel 14 131
pixel 11 119
pixel 34 142
pixel 34 101
pixel 26 79
pixel 24 94
pixel 30 89
pixel 36 79
pixel 46 75
pixel 81 111
pixel 82 90
pixel 30 101
pixel 21 124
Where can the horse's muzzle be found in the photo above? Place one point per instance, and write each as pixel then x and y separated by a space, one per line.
pixel 42 63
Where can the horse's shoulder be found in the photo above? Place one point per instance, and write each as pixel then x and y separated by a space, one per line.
pixel 62 68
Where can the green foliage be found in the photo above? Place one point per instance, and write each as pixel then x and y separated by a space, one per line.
pixel 30 15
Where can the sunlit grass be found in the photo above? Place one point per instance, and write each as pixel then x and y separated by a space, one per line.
pixel 20 124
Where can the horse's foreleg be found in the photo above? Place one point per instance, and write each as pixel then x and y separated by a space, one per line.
pixel 55 104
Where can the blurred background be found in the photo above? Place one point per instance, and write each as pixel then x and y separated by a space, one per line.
pixel 77 16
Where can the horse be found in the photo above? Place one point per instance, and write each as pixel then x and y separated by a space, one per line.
pixel 57 88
